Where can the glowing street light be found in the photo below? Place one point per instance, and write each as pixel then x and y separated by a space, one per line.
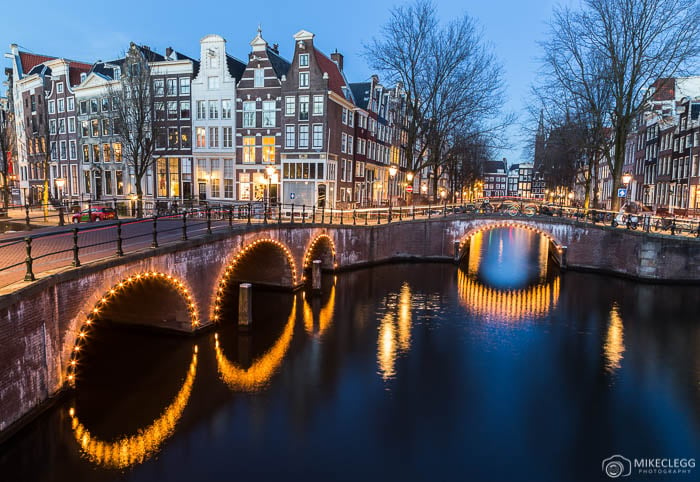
pixel 270 170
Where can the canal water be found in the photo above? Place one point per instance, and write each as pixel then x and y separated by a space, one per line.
pixel 503 369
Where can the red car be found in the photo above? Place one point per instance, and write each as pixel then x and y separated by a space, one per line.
pixel 94 214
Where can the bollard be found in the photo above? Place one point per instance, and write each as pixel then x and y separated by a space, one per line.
pixel 120 251
pixel 245 309
pixel 29 276
pixel 76 259
pixel 154 243
pixel 316 276
pixel 26 213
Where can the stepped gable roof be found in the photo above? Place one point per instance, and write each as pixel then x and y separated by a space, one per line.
pixel 336 79
pixel 279 64
pixel 361 92
pixel 235 67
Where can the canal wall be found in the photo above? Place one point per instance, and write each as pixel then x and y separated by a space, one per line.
pixel 43 324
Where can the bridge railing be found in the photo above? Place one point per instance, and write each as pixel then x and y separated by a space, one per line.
pixel 52 249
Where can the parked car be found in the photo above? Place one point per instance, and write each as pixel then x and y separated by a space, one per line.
pixel 93 214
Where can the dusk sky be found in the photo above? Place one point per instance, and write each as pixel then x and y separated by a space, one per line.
pixel 88 31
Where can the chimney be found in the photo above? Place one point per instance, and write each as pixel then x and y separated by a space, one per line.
pixel 337 57
pixel 276 48
pixel 168 52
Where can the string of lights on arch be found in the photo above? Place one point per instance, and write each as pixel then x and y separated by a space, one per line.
pixel 228 271
pixel 508 224
pixel 308 257
pixel 110 295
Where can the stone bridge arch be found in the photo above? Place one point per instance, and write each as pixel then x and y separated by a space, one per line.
pixel 118 300
pixel 321 246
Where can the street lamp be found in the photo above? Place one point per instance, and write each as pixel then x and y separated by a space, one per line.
pixel 571 197
pixel 626 178
pixel 60 183
pixel 270 170
pixel 672 196
pixel 392 174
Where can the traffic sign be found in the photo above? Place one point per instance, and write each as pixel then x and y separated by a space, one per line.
pixel 622 192
pixel 409 188
pixel 292 195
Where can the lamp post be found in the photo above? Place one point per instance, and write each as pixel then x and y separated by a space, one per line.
pixel 571 198
pixel 672 197
pixel 270 170
pixel 626 178
pixel 392 174
pixel 60 183
pixel 409 180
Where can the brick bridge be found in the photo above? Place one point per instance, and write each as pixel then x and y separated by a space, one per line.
pixel 44 324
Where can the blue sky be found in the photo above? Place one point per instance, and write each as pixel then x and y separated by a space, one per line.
pixel 89 31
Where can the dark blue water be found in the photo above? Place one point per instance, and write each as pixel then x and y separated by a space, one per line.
pixel 504 369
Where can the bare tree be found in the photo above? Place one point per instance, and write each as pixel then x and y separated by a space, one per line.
pixel 134 115
pixel 450 77
pixel 607 53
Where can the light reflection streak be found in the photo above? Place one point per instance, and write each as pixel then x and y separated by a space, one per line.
pixel 325 315
pixel 258 375
pixel 135 449
pixel 614 345
pixel 394 331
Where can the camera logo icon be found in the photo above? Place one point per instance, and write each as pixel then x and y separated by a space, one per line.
pixel 617 466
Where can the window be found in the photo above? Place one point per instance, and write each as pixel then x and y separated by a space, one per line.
pixel 268 150
pixel 317 136
pixel 105 127
pixel 71 124
pixel 249 150
pixel 268 114
pixel 61 105
pixel 213 137
pixel 172 109
pixel 185 109
pixel 249 114
pixel 115 102
pixel 160 110
pixel 201 137
pixel 201 109
pixel 351 141
pixel 228 178
pixel 74 179
pixel 259 78
pixel 226 109
pixel 185 137
pixel 108 182
pixel 94 107
pixel 344 142
pixel 303 136
pixel 303 60
pixel 289 105
pixel 303 80
pixel 95 153
pixel 106 152
pixel 83 107
pixel 215 176
pixel 86 153
pixel 289 137
pixel 213 83
pixel 158 87
pixel 171 87
pixel 61 126
pixel 244 187
pixel 173 137
pixel 52 107
pixel 228 136
pixel 52 126
pixel 105 104
pixel 213 109
pixel 318 105
pixel 184 86
pixel 117 149
pixel 63 150
pixel 95 128
pixel 304 107
pixel 73 150
pixel 351 118
pixel 59 87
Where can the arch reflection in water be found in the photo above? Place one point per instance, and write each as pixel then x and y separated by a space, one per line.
pixel 394 331
pixel 258 375
pixel 325 314
pixel 135 449
pixel 526 252
pixel 614 345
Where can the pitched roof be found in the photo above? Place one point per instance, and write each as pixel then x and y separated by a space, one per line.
pixel 493 167
pixel 361 92
pixel 279 65
pixel 336 79
pixel 30 64
pixel 235 67
pixel 29 61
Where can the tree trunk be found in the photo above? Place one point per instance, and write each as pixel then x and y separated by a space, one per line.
pixel 139 198
pixel 45 194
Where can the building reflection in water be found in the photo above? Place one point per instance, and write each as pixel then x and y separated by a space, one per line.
pixel 394 331
pixel 614 345
pixel 135 449
pixel 258 375
pixel 486 288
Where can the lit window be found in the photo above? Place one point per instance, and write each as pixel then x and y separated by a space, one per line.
pixel 249 150
pixel 268 150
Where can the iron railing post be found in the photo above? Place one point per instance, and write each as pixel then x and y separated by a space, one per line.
pixel 76 259
pixel 26 214
pixel 265 212
pixel 366 217
pixel 303 213
pixel 114 206
pixel 120 251
pixel 429 210
pixel 230 217
pixel 323 214
pixel 154 244
pixel 354 217
pixel 313 214
pixel 208 219
pixel 29 275
pixel 341 216
pixel 250 209
pixel 279 213
pixel 291 216
pixel 184 227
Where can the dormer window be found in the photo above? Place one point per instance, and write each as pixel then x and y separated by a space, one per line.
pixel 213 55
pixel 117 74
pixel 259 78
pixel 59 87
pixel 303 80
pixel 303 60
pixel 83 76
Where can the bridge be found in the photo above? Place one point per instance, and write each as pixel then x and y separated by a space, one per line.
pixel 178 279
